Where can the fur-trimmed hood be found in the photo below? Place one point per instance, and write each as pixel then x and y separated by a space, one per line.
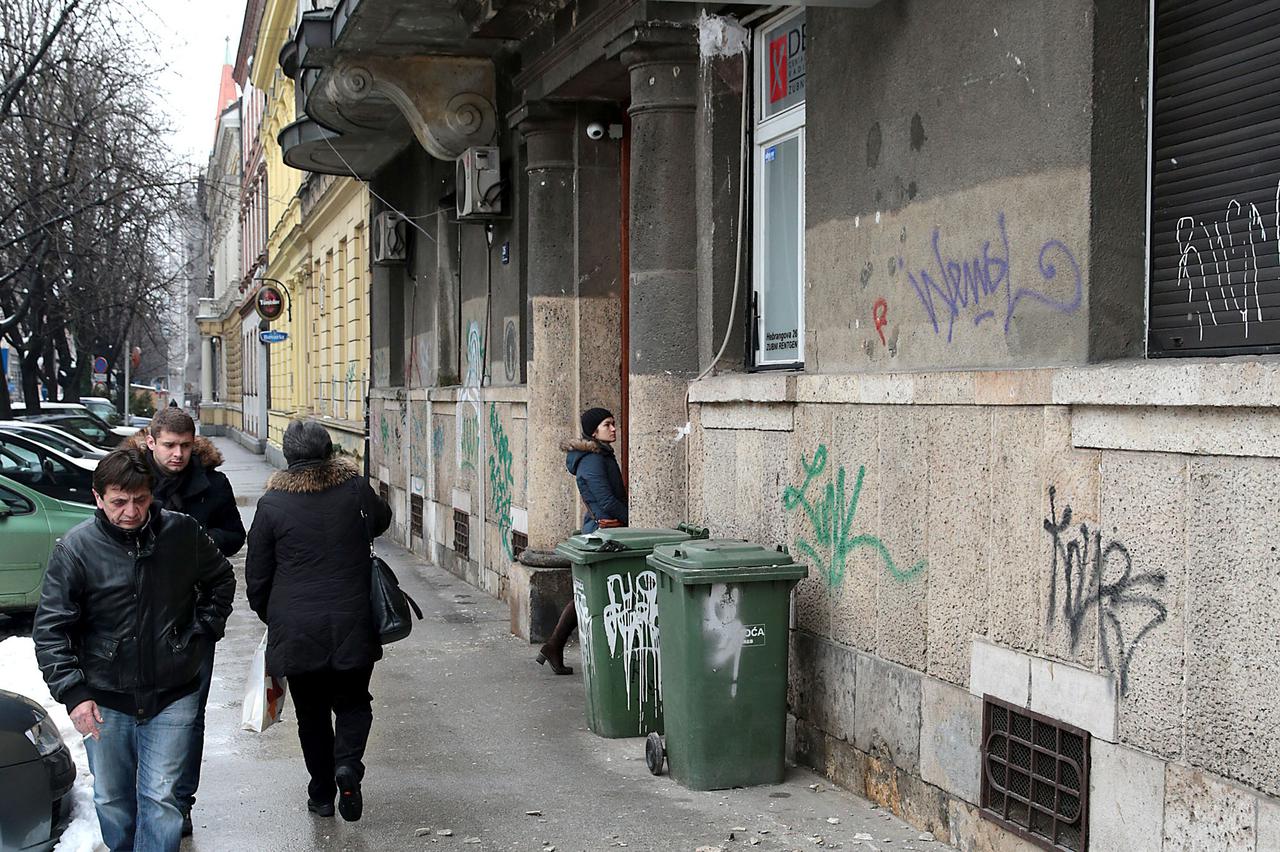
pixel 204 450
pixel 577 449
pixel 581 445
pixel 314 479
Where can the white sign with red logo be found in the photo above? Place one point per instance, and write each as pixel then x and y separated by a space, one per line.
pixel 786 68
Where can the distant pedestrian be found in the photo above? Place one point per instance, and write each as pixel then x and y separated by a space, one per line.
pixel 307 575
pixel 132 600
pixel 591 461
pixel 187 480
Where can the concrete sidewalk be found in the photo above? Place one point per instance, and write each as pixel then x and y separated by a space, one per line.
pixel 476 747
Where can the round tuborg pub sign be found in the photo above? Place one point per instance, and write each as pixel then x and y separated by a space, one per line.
pixel 269 302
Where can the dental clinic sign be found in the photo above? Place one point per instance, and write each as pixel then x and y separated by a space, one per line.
pixel 786 69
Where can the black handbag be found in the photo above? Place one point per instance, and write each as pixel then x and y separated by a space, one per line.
pixel 391 604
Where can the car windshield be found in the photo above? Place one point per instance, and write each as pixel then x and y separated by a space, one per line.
pixel 84 427
pixel 50 439
pixel 106 411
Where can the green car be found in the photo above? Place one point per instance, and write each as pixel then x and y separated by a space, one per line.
pixel 30 524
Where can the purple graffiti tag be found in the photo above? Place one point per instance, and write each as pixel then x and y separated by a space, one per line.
pixel 975 282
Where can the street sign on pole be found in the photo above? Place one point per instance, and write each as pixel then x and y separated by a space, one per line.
pixel 273 336
pixel 99 365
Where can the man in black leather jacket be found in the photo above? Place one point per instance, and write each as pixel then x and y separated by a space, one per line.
pixel 187 480
pixel 131 600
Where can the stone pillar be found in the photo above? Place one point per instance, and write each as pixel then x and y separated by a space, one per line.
pixel 552 368
pixel 663 270
pixel 206 369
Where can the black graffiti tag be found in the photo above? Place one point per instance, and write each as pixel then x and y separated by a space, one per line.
pixel 1083 584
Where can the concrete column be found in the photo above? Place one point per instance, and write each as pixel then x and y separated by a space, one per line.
pixel 552 368
pixel 663 270
pixel 206 369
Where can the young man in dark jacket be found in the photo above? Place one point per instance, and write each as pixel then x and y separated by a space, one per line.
pixel 131 600
pixel 187 480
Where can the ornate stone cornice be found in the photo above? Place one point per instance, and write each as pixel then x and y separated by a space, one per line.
pixel 447 100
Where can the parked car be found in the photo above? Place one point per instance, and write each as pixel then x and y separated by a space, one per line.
pixel 52 436
pixel 76 408
pixel 46 470
pixel 36 775
pixel 104 408
pixel 80 426
pixel 30 524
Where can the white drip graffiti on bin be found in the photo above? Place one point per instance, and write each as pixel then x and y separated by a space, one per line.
pixel 724 628
pixel 631 626
pixel 584 627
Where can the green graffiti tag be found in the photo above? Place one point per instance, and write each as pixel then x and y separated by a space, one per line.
pixel 831 520
pixel 500 478
pixel 469 439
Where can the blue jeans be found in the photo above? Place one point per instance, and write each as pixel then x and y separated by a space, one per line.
pixel 189 780
pixel 135 765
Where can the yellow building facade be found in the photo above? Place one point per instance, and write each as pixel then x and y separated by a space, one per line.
pixel 316 253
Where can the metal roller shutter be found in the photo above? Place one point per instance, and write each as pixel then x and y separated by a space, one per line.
pixel 1215 178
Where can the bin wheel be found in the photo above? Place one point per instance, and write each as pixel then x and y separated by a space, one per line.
pixel 655 753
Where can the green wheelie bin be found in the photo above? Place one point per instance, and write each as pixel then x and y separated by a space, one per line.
pixel 616 596
pixel 725 608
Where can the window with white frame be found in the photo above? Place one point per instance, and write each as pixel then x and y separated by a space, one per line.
pixel 778 192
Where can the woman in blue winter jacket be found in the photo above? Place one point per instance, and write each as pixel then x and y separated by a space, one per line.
pixel 591 462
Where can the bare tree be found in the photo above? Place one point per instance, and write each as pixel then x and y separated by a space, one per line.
pixel 90 201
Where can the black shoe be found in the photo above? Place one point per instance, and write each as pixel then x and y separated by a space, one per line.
pixel 555 659
pixel 324 809
pixel 350 802
pixel 187 828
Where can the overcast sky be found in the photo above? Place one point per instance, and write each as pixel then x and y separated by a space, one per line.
pixel 192 40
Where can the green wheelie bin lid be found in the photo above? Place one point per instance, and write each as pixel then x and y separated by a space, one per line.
pixel 724 560
pixel 617 542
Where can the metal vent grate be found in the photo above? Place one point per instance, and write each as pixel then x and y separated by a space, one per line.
pixel 1035 776
pixel 462 534
pixel 415 515
pixel 519 544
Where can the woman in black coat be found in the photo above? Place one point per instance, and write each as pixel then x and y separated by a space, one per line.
pixel 594 467
pixel 307 575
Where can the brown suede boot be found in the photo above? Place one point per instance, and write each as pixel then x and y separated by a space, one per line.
pixel 553 651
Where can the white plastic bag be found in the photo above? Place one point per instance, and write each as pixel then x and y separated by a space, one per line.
pixel 263 694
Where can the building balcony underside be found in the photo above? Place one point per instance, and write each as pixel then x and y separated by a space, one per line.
pixel 311 147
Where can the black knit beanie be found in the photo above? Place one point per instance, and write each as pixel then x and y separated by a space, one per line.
pixel 591 420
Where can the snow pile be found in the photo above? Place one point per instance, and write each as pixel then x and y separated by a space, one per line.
pixel 19 673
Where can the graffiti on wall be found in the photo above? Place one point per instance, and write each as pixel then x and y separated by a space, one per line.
pixel 500 478
pixel 437 442
pixel 510 350
pixel 831 522
pixel 880 317
pixel 1209 260
pixel 978 283
pixel 1087 575
pixel 468 412
pixel 419 439
pixel 631 628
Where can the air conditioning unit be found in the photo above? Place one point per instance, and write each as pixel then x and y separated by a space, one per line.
pixel 478 183
pixel 389 244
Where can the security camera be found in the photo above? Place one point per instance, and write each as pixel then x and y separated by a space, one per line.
pixel 595 130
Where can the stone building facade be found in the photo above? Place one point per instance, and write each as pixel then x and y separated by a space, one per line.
pixel 914 242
